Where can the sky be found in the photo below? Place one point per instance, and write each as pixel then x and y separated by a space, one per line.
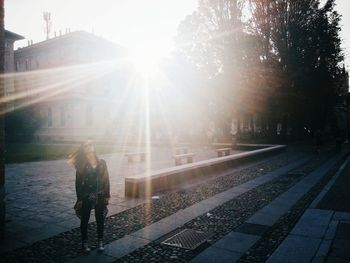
pixel 131 23
pixel 343 7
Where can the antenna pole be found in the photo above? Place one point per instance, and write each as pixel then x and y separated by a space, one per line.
pixel 47 19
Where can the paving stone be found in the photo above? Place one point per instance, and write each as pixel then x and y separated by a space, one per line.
pixel 214 255
pixel 133 202
pixel 178 219
pixel 313 223
pixel 276 208
pixel 336 260
pixel 332 228
pixel 272 212
pixel 197 209
pixel 295 249
pixel 70 223
pixel 154 231
pixel 93 257
pixel 253 229
pixel 227 195
pixel 343 231
pixel 124 246
pixel 212 202
pixel 30 223
pixel 238 190
pixel 324 248
pixel 258 181
pixel 341 216
pixel 51 229
pixel 251 184
pixel 301 190
pixel 34 236
pixel 115 209
pixel 236 242
pixel 261 218
pixel 44 218
pixel 283 200
pixel 319 259
pixel 340 249
pixel 17 227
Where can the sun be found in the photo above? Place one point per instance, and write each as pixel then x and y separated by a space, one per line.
pixel 147 58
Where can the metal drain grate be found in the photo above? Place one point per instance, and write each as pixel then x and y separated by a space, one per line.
pixel 187 238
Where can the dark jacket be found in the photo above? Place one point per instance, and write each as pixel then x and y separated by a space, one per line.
pixel 102 173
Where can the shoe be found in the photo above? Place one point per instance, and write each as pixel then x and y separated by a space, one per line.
pixel 85 247
pixel 100 245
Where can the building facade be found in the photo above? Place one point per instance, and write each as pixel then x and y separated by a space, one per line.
pixel 9 80
pixel 76 82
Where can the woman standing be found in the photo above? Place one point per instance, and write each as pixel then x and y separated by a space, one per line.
pixel 92 188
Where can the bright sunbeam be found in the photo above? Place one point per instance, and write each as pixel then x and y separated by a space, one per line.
pixel 146 58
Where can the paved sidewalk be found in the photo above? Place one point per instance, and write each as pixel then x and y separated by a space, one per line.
pixel 40 195
pixel 323 232
pixel 320 234
pixel 235 244
pixel 142 237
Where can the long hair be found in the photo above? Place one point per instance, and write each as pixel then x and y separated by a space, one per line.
pixel 78 157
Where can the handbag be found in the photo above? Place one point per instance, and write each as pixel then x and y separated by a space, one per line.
pixel 78 212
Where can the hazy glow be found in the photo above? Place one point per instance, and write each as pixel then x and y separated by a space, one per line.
pixel 57 81
pixel 146 59
pixel 130 23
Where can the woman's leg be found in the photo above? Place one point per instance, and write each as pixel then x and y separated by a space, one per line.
pixel 85 216
pixel 99 208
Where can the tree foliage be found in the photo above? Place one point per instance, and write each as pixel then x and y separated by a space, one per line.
pixel 21 125
pixel 275 61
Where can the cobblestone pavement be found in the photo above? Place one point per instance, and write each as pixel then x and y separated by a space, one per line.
pixel 274 236
pixel 40 195
pixel 63 242
pixel 140 216
pixel 223 219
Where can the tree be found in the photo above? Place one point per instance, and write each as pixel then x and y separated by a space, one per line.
pixel 304 38
pixel 280 62
pixel 21 125
pixel 213 39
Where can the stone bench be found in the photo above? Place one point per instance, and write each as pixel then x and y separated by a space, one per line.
pixel 142 156
pixel 146 185
pixel 218 145
pixel 250 147
pixel 223 151
pixel 179 157
pixel 181 150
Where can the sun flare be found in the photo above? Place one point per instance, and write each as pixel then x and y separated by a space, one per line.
pixel 147 58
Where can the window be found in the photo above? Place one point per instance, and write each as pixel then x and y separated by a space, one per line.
pixel 63 116
pixel 49 117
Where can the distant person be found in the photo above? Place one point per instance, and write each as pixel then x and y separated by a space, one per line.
pixel 234 134
pixel 92 189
